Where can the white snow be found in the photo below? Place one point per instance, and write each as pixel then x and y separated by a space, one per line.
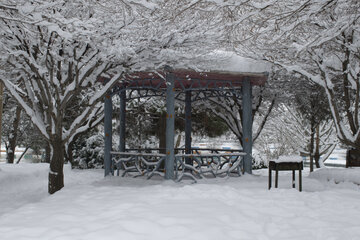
pixel 91 207
pixel 338 175
pixel 231 62
pixel 290 158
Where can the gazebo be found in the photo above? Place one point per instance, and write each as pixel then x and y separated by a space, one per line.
pixel 189 86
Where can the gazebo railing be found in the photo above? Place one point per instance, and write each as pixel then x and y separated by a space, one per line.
pixel 142 164
pixel 202 163
pixel 197 166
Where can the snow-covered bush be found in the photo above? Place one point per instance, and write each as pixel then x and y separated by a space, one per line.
pixel 259 161
pixel 88 150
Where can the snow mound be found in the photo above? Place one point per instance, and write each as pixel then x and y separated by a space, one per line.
pixel 337 175
pixel 21 184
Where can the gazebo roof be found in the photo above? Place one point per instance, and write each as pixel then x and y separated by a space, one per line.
pixel 185 78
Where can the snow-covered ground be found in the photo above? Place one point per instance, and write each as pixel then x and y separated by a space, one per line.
pixel 91 207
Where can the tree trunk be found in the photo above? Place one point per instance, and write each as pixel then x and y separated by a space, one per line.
pixel 357 153
pixel 47 152
pixel 1 110
pixel 13 136
pixel 317 147
pixel 178 141
pixel 56 174
pixel 311 150
pixel 69 153
pixel 162 133
pixel 18 161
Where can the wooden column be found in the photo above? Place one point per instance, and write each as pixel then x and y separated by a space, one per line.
pixel 108 134
pixel 188 126
pixel 122 127
pixel 170 123
pixel 247 124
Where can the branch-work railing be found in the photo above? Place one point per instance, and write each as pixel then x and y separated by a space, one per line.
pixel 142 164
pixel 201 163
pixel 208 165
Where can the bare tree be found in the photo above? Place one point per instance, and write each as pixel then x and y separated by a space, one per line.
pixel 319 40
pixel 265 98
pixel 56 51
pixel 289 131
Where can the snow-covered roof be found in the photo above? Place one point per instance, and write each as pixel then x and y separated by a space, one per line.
pixel 221 70
pixel 231 62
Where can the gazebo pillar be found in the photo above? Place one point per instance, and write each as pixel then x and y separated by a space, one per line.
pixel 247 124
pixel 170 123
pixel 122 139
pixel 188 126
pixel 108 134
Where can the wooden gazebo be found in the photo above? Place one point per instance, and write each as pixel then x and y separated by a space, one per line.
pixel 189 86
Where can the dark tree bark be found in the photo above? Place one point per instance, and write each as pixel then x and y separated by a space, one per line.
pixel 1 109
pixel 311 150
pixel 69 153
pixel 47 152
pixel 317 147
pixel 18 161
pixel 56 174
pixel 162 133
pixel 13 136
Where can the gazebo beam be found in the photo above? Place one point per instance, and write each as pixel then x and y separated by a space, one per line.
pixel 170 123
pixel 122 129
pixel 247 125
pixel 108 134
